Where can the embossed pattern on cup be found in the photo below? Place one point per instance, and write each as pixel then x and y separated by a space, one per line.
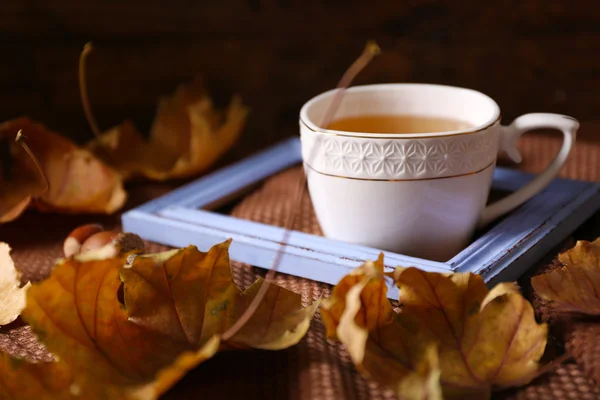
pixel 399 159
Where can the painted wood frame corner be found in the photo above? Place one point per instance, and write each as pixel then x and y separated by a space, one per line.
pixel 183 217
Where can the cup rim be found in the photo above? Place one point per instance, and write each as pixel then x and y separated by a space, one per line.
pixel 494 119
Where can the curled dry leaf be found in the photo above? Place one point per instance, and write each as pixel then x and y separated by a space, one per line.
pixel 176 304
pixel 360 316
pixel 483 339
pixel 19 179
pixel 12 295
pixel 187 136
pixel 573 288
pixel 78 181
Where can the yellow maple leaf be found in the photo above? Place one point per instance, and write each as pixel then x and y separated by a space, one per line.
pixel 78 182
pixel 481 339
pixel 175 306
pixel 187 136
pixel 574 287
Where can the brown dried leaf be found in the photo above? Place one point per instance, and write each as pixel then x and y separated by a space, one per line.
pixel 56 380
pixel 12 295
pixel 484 339
pixel 190 295
pixel 15 198
pixel 574 288
pixel 176 305
pixel 380 343
pixel 19 179
pixel 78 181
pixel 188 135
pixel 278 323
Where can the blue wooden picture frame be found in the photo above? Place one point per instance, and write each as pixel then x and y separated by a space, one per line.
pixel 183 217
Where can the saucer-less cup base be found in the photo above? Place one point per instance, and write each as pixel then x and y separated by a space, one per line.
pixel 422 195
pixel 431 219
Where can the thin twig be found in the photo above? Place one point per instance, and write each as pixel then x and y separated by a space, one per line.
pixel 20 139
pixel 87 49
pixel 370 51
pixel 552 365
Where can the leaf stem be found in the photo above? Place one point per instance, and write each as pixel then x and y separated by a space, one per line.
pixel 371 50
pixel 87 49
pixel 552 365
pixel 20 139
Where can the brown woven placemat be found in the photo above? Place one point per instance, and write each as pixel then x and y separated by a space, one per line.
pixel 315 368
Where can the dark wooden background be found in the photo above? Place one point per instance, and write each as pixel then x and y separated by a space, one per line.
pixel 530 55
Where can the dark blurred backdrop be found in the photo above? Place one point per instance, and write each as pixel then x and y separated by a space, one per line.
pixel 530 55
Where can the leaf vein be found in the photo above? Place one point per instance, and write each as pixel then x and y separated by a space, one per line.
pixel 458 344
pixel 512 339
pixel 172 298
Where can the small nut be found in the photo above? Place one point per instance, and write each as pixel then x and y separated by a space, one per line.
pixel 78 236
pixel 109 244
pixel 97 241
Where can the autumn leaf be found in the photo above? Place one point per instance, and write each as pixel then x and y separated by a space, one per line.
pixel 175 306
pixel 483 339
pixel 55 380
pixel 77 181
pixel 488 339
pixel 574 287
pixel 162 293
pixel 187 136
pixel 12 295
pixel 20 180
pixel 360 316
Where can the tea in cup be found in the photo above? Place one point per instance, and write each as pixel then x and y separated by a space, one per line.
pixel 408 167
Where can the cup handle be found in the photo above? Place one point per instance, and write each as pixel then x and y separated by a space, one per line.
pixel 509 137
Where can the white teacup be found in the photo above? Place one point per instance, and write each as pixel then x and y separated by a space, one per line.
pixel 420 194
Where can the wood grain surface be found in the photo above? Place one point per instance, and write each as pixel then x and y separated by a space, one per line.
pixel 530 55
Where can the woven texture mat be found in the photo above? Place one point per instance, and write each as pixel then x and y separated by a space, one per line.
pixel 316 368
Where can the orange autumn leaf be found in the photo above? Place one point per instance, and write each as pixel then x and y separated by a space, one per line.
pixel 175 306
pixel 359 315
pixel 574 287
pixel 77 181
pixel 488 339
pixel 190 295
pixel 15 197
pixel 187 136
pixel 20 181
pixel 484 340
pixel 56 380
